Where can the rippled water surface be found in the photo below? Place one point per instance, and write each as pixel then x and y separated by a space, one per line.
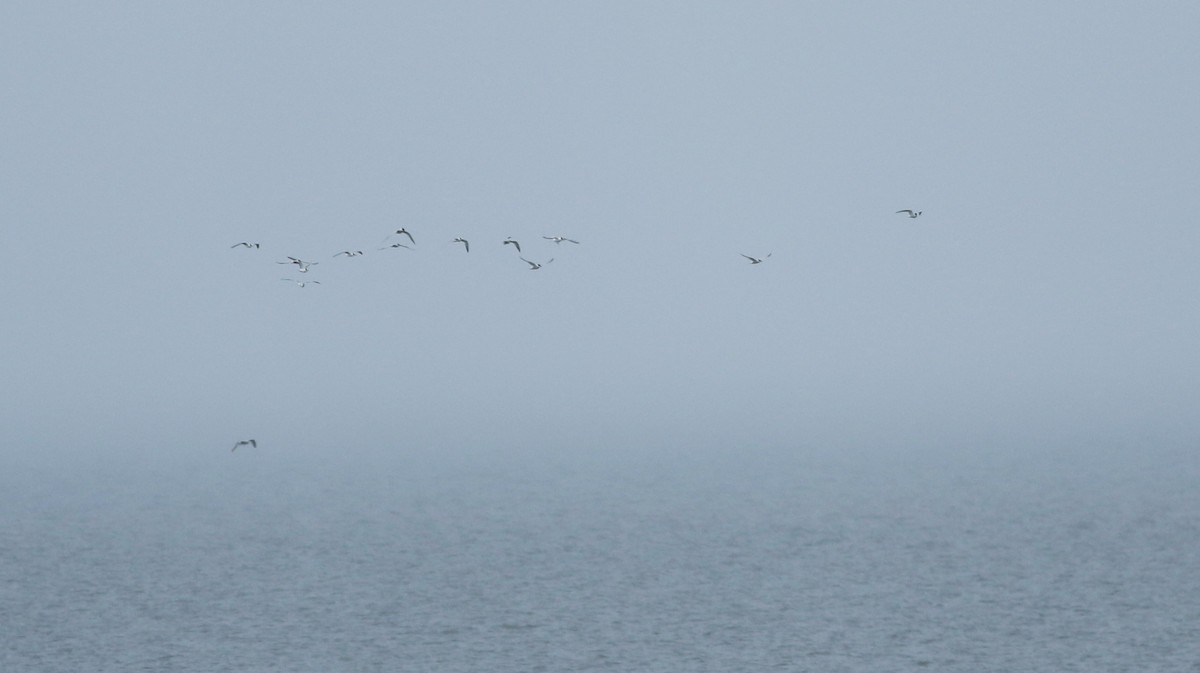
pixel 1062 560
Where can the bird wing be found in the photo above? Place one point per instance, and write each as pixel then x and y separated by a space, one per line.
pixel 410 238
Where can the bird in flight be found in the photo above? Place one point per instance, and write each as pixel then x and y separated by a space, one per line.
pixel 298 262
pixel 395 245
pixel 349 253
pixel 756 260
pixel 466 244
pixel 560 239
pixel 534 266
pixel 244 244
pixel 912 214
pixel 405 232
pixel 510 241
pixel 302 283
pixel 245 442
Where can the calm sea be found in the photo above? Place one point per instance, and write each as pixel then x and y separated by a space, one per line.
pixel 1036 560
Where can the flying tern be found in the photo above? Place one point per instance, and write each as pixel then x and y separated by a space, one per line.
pixel 245 442
pixel 300 263
pixel 395 245
pixel 302 283
pixel 560 239
pixel 244 244
pixel 405 232
pixel 912 214
pixel 510 241
pixel 534 266
pixel 349 253
pixel 756 260
pixel 466 244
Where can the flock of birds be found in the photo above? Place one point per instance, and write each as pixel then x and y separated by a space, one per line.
pixel 302 266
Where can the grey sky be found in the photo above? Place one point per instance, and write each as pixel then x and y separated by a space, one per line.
pixel 1049 289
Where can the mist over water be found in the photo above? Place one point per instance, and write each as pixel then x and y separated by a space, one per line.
pixel 962 442
pixel 1037 559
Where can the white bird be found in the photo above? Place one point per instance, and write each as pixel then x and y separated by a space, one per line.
pixel 349 253
pixel 405 232
pixel 755 260
pixel 534 266
pixel 395 245
pixel 466 244
pixel 302 283
pixel 510 241
pixel 245 442
pixel 300 263
pixel 244 244
pixel 560 239
pixel 911 213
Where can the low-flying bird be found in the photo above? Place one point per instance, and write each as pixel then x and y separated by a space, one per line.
pixel 245 442
pixel 534 266
pixel 912 214
pixel 510 241
pixel 300 263
pixel 302 283
pixel 395 245
pixel 244 244
pixel 466 244
pixel 349 253
pixel 405 232
pixel 560 239
pixel 756 260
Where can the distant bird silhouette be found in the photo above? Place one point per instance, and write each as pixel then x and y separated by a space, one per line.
pixel 465 243
pixel 756 260
pixel 560 239
pixel 912 214
pixel 244 244
pixel 534 266
pixel 300 263
pixel 302 283
pixel 349 253
pixel 395 245
pixel 245 442
pixel 510 241
pixel 405 232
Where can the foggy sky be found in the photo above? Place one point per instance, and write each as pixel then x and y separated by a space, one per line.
pixel 1049 290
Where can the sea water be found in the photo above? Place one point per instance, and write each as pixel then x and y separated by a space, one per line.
pixel 791 560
